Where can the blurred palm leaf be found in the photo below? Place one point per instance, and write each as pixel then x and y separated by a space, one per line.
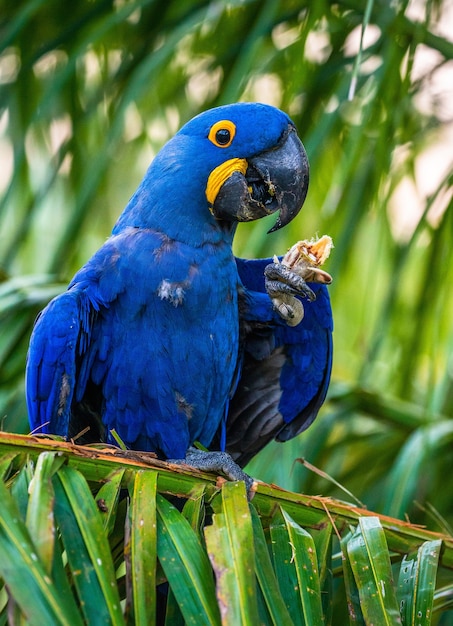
pixel 90 536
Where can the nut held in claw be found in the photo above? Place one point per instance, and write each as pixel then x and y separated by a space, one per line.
pixel 304 259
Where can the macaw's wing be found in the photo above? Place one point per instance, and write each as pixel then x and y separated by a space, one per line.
pixel 60 332
pixel 285 370
pixel 61 396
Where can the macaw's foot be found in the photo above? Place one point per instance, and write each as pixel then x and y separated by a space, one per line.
pixel 216 462
pixel 282 285
pixel 281 279
pixel 286 279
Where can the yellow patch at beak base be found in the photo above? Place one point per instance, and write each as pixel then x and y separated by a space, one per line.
pixel 220 174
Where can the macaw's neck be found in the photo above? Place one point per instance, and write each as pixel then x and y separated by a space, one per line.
pixel 172 198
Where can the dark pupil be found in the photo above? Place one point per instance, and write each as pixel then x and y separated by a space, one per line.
pixel 222 136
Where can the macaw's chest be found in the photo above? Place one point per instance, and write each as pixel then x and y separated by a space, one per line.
pixel 203 290
pixel 164 342
pixel 172 302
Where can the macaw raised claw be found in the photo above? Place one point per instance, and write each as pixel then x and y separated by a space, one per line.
pixel 163 336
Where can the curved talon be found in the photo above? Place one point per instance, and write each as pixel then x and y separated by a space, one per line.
pixel 278 271
pixel 289 308
pixel 281 279
pixel 282 285
pixel 275 289
pixel 216 462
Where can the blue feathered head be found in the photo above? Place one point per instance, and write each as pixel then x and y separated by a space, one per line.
pixel 233 163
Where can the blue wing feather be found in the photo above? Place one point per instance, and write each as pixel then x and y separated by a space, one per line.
pixel 51 365
pixel 305 376
pixel 285 370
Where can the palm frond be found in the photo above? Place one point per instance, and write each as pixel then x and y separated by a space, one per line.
pixel 91 535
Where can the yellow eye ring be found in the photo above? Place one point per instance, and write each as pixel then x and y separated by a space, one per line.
pixel 222 133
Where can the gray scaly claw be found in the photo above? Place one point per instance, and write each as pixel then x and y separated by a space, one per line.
pixel 216 462
pixel 280 279
pixel 282 285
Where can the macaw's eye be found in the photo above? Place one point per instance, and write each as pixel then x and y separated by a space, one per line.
pixel 222 133
pixel 222 136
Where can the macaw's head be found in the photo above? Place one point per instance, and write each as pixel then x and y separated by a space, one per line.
pixel 234 163
pixel 254 161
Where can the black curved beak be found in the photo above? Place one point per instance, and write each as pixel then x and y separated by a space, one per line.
pixel 275 180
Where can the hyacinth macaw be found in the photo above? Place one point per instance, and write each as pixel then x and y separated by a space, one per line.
pixel 166 337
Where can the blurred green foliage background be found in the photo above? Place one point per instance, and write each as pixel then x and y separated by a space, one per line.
pixel 89 91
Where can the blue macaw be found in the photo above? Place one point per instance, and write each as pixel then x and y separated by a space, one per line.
pixel 164 336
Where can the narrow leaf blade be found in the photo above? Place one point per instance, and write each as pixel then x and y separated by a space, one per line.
pixel 87 548
pixel 266 576
pixel 230 546
pixel 416 584
pixel 186 565
pixel 306 566
pixel 427 561
pixel 282 553
pixel 40 517
pixel 144 547
pixel 352 591
pixel 370 562
pixel 24 574
pixel 107 499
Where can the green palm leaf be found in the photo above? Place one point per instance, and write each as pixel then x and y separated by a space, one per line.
pixel 142 561
pixel 96 560
pixel 25 575
pixel 370 562
pixel 266 576
pixel 416 584
pixel 87 548
pixel 186 566
pixel 229 541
